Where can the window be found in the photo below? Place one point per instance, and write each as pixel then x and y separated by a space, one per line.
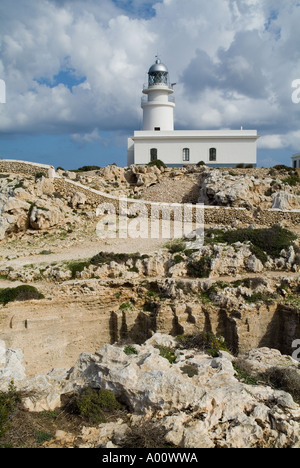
pixel 212 154
pixel 186 154
pixel 295 164
pixel 153 154
pixel 157 129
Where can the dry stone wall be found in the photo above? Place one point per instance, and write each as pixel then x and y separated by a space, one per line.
pixel 24 167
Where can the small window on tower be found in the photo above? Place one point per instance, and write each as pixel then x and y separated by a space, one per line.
pixel 153 154
pixel 212 154
pixel 157 129
pixel 186 154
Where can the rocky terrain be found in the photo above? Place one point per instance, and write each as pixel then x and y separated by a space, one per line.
pixel 84 299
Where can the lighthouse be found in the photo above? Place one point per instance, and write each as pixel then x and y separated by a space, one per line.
pixel 158 103
pixel 177 148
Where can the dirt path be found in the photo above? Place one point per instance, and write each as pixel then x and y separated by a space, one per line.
pixel 86 250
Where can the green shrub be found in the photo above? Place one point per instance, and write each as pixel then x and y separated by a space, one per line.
pixel 46 252
pixel 269 240
pixel 77 266
pixel 130 350
pixel 92 404
pixel 243 371
pixel 107 257
pixel 39 175
pixel 267 298
pixel 259 253
pixel 205 341
pixel 167 353
pixel 286 379
pixel 282 167
pixel 189 370
pixel 20 293
pixel 293 180
pixel 158 163
pixel 43 436
pixel 8 403
pixel 175 246
pixel 87 169
pixel 126 306
pixel 199 268
pixel 178 259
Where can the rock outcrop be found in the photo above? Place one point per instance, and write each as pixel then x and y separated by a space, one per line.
pixel 197 399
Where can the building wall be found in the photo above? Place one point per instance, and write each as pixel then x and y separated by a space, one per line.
pixel 230 151
pixel 296 161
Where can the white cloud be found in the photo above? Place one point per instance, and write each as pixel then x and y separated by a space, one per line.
pixel 92 137
pixel 234 62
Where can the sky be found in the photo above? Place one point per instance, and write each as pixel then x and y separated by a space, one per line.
pixel 74 72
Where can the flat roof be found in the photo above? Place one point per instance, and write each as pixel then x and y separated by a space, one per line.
pixel 193 134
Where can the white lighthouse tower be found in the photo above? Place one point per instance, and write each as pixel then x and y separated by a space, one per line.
pixel 158 106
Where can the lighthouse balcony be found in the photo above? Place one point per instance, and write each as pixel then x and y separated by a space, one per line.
pixel 144 100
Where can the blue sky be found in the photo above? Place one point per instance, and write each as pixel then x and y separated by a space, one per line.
pixel 74 71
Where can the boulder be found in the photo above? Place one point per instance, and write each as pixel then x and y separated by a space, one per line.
pixel 285 201
pixel 44 216
pixel 78 200
pixel 11 366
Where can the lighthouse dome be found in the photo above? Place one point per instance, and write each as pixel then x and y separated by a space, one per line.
pixel 158 74
pixel 158 67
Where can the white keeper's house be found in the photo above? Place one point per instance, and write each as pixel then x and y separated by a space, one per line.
pixel 159 140
pixel 296 161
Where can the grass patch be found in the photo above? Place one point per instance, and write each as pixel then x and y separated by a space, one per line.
pixel 167 353
pixel 130 350
pixel 243 371
pixel 126 306
pixel 20 293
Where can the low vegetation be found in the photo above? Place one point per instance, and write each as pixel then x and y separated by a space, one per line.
pixel 199 268
pixel 106 257
pixel 158 163
pixel 93 405
pixel 265 241
pixel 8 404
pixel 205 341
pixel 20 293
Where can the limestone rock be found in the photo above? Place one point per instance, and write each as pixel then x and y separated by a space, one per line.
pixel 285 201
pixel 11 366
pixel 209 408
pixel 78 200
pixel 44 216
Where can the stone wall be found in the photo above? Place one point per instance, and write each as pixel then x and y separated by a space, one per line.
pixel 212 214
pixel 24 167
